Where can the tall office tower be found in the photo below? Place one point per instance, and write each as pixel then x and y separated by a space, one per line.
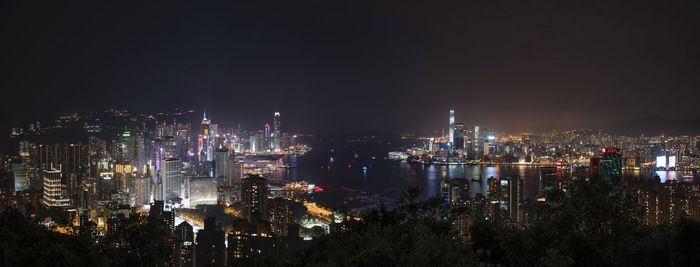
pixel 171 178
pixel 54 195
pixel 84 207
pixel 139 158
pixel 214 138
pixel 19 171
pixel 515 201
pixel 253 145
pixel 261 139
pixel 459 136
pixel 184 238
pixel 477 141
pixel 276 132
pixel 70 159
pixel 182 141
pixel 494 203
pixel 451 138
pixel 253 195
pixel 268 136
pixel 280 214
pixel 611 165
pixel 223 161
pixel 210 248
pixel 141 191
pixel 206 139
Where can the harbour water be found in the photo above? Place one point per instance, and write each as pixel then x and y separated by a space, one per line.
pixel 360 167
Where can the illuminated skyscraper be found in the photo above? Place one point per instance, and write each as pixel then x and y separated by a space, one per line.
pixel 141 190
pixel 515 200
pixel 276 135
pixel 19 171
pixel 280 213
pixel 267 144
pixel 459 136
pixel 253 195
pixel 206 146
pixel 184 237
pixel 223 161
pixel 54 195
pixel 171 178
pixel 451 137
pixel 611 165
pixel 477 141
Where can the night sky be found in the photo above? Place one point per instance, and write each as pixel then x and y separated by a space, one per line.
pixel 351 66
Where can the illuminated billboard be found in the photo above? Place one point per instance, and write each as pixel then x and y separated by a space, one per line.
pixel 672 161
pixel 661 161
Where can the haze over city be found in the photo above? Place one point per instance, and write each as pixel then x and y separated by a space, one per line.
pixel 349 133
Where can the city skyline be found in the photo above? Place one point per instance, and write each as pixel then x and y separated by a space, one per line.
pixel 349 133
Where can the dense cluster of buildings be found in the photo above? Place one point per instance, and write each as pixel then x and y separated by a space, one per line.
pixel 560 157
pixel 570 148
pixel 103 169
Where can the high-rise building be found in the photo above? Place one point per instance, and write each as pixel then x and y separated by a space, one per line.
pixel 477 141
pixel 515 200
pixel 280 213
pixel 268 137
pixel 206 147
pixel 253 195
pixel 459 137
pixel 184 238
pixel 276 132
pixel 19 171
pixel 223 161
pixel 611 165
pixel 457 192
pixel 210 247
pixel 451 137
pixel 54 195
pixel 141 190
pixel 171 178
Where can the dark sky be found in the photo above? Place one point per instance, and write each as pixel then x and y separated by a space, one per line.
pixel 354 65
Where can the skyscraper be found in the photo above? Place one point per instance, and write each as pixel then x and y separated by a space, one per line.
pixel 184 237
pixel 54 195
pixel 171 178
pixel 611 165
pixel 276 132
pixel 19 171
pixel 280 213
pixel 267 144
pixel 515 200
pixel 223 159
pixel 477 141
pixel 451 137
pixel 253 195
pixel 459 136
pixel 206 145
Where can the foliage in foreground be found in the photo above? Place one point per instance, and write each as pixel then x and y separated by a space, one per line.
pixel 590 225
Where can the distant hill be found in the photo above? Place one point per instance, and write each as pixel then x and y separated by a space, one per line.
pixel 655 125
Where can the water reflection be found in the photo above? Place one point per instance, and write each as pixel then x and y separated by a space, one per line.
pixel 389 178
